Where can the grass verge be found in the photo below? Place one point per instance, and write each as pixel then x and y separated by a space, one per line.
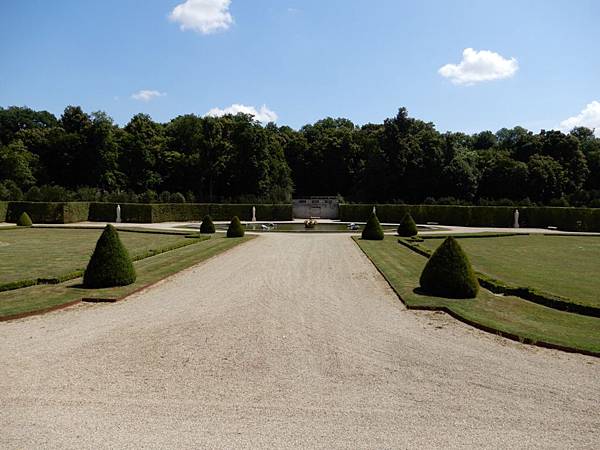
pixel 49 256
pixel 563 267
pixel 150 270
pixel 508 316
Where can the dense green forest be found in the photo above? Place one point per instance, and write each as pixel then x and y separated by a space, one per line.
pixel 81 156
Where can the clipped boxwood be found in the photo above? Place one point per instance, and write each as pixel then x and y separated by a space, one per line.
pixel 110 264
pixel 448 272
pixel 570 219
pixel 407 227
pixel 235 228
pixel 373 230
pixel 24 220
pixel 207 226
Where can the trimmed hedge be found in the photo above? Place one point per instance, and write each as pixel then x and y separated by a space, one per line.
pixel 372 230
pixel 448 273
pixel 76 212
pixel 207 226
pixel 49 212
pixel 3 209
pixel 71 212
pixel 180 212
pixel 24 220
pixel 235 228
pixel 110 264
pixel 407 227
pixel 569 219
pixel 130 212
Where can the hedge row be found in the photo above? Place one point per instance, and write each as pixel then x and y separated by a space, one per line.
pixel 59 212
pixel 70 212
pixel 570 219
pixel 176 212
pixel 3 208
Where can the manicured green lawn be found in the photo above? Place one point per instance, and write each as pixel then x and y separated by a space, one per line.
pixel 567 266
pixel 27 253
pixel 149 270
pixel 532 322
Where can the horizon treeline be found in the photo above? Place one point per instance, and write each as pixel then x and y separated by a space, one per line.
pixel 86 156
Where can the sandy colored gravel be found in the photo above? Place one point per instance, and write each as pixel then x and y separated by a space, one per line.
pixel 286 341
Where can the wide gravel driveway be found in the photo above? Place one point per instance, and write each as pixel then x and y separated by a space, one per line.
pixel 286 341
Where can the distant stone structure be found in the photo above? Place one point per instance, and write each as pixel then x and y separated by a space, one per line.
pixel 317 207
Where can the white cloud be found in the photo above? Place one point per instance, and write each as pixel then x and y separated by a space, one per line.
pixel 589 117
pixel 203 16
pixel 477 66
pixel 263 115
pixel 146 95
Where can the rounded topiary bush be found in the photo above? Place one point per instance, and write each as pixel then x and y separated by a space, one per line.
pixel 373 230
pixel 235 228
pixel 24 220
pixel 448 273
pixel 407 227
pixel 110 264
pixel 207 226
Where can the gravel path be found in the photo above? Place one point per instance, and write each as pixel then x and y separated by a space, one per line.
pixel 285 341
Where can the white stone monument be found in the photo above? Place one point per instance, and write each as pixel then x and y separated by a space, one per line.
pixel 118 213
pixel 254 214
pixel 516 225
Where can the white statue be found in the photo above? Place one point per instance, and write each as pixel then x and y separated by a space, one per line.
pixel 118 213
pixel 516 225
pixel 374 210
pixel 254 214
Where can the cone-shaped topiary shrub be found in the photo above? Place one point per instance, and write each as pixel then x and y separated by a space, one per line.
pixel 207 226
pixel 235 228
pixel 407 227
pixel 110 264
pixel 448 273
pixel 24 220
pixel 373 230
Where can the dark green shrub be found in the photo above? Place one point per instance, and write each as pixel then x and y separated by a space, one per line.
pixel 76 212
pixel 373 230
pixel 33 194
pixel 130 212
pixel 235 228
pixel 207 226
pixel 407 227
pixel 24 220
pixel 49 212
pixel 164 197
pixel 448 273
pixel 110 264
pixel 177 197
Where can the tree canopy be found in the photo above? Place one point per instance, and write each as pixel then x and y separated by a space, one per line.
pixel 234 158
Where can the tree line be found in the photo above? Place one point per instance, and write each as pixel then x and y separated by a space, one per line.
pixel 86 156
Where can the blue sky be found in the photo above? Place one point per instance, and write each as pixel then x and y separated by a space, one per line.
pixel 308 59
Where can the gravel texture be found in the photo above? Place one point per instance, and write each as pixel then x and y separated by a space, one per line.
pixel 286 341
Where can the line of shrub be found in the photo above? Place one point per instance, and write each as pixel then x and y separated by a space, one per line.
pixel 526 293
pixel 570 219
pixel 71 212
pixel 59 212
pixel 176 212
